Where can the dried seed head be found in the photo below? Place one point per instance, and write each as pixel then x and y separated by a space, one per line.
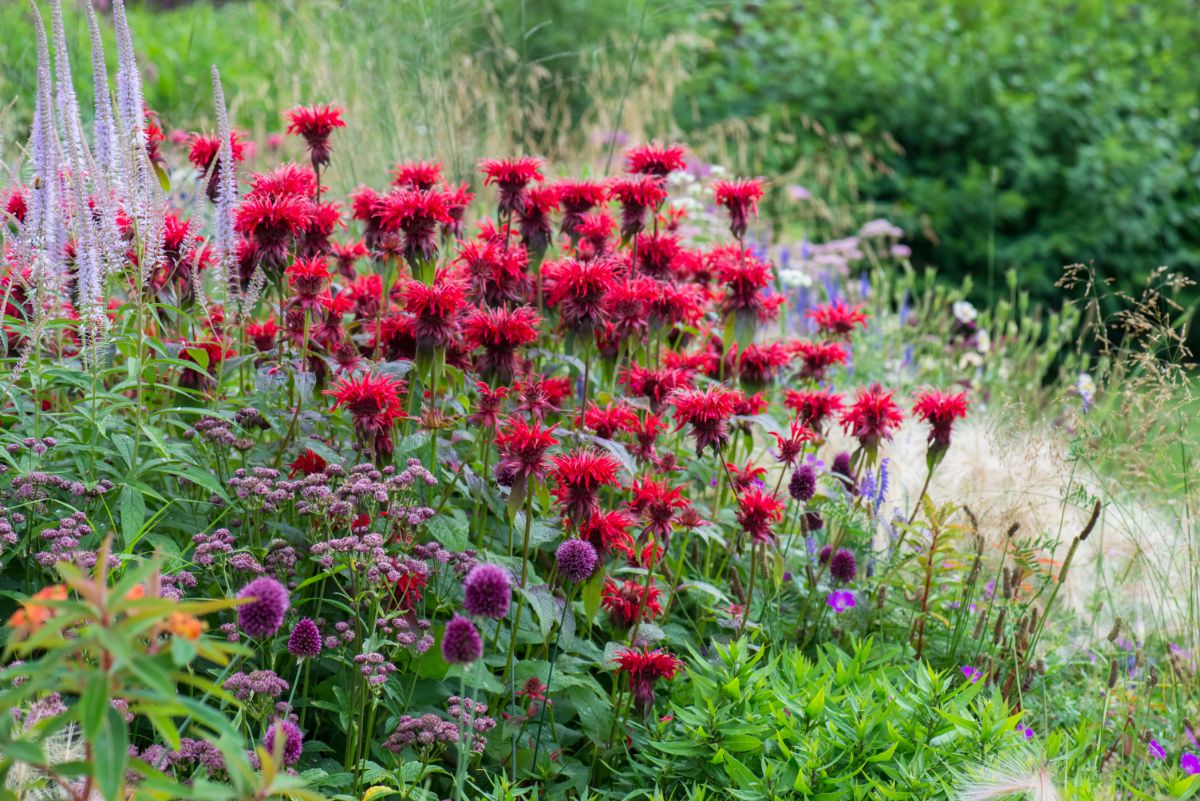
pixel 1112 673
pixel 1013 529
pixel 1091 523
pixel 999 627
pixel 1116 630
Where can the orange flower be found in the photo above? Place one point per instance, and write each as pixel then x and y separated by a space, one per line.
pixel 137 593
pixel 32 616
pixel 184 625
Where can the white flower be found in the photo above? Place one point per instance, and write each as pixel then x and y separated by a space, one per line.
pixel 793 278
pixel 964 312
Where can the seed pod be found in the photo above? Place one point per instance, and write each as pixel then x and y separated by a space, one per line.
pixel 1112 673
pixel 1062 574
pixel 1040 667
pixel 1091 523
pixel 971 516
pixel 1033 619
pixel 1139 658
pixel 1116 630
pixel 1007 585
pixel 999 627
pixel 1013 529
pixel 1153 681
pixel 979 627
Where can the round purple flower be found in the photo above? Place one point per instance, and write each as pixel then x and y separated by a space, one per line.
pixel 293 740
pixel 841 464
pixel 813 521
pixel 263 616
pixel 487 591
pixel 461 643
pixel 840 600
pixel 824 554
pixel 842 565
pixel 305 640
pixel 576 560
pixel 804 483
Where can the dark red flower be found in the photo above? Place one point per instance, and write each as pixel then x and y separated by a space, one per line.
pixel 458 199
pixel 790 447
pixel 636 195
pixel 646 433
pixel 655 159
pixel 608 532
pixel 207 357
pixel 656 253
pixel 707 411
pixel 742 478
pixel 522 448
pixel 499 332
pixel 16 207
pixel 374 403
pixel 533 220
pixel 627 306
pixel 594 229
pixel 745 278
pixel 315 123
pixel 759 364
pixel 940 410
pixel 537 396
pixel 576 198
pixel 273 221
pixel 307 278
pixel 658 504
pixel 818 357
pixel 203 150
pixel 346 256
pixel 630 600
pixel 606 421
pixel 488 407
pixel 577 289
pixel 324 218
pixel 263 334
pixel 497 274
pixel 758 510
pixel 417 174
pixel 578 476
pixel 813 407
pixel 645 667
pixel 749 405
pixel 511 176
pixel 837 318
pixel 416 213
pixel 740 197
pixel 308 463
pixel 656 385
pixel 286 179
pixel 435 309
pixel 872 416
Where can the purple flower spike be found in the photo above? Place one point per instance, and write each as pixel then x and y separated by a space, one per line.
pixel 1156 750
pixel 461 643
pixel 305 640
pixel 972 674
pixel 263 616
pixel 487 591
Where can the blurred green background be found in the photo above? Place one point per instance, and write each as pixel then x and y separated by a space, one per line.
pixel 1001 134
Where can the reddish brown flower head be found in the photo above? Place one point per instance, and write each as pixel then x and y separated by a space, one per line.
pixel 837 318
pixel 499 332
pixel 417 174
pixel 658 504
pixel 708 412
pixel 315 123
pixel 435 309
pixel 307 278
pixel 595 230
pixel 740 198
pixel 498 275
pixel 872 416
pixel 576 198
pixel 636 195
pixel 940 410
pixel 488 408
pixel 818 357
pixel 578 477
pixel 577 290
pixel 324 218
pixel 263 334
pixel 511 176
pixel 608 532
pixel 533 220
pixel 629 601
pixel 372 400
pixel 203 150
pixel 645 667
pixel 758 510
pixel 655 159
pixel 789 448
pixel 416 213
pixel 522 447
pixel 308 463
pixel 813 407
pixel 607 421
pixel 273 221
pixel 346 256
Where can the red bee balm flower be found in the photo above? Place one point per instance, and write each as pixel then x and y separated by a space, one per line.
pixel 435 309
pixel 654 159
pixel 534 218
pixel 577 289
pixel 636 195
pixel 818 357
pixel 813 407
pixel 374 403
pixel 487 408
pixel 522 448
pixel 658 503
pixel 872 416
pixel 758 510
pixel 416 213
pixel 629 600
pixel 740 197
pixel 577 198
pixel 940 410
pixel 607 421
pixel 644 668
pixel 608 532
pixel 271 221
pixel 417 174
pixel 707 412
pixel 500 332
pixel 315 124
pixel 307 277
pixel 203 150
pixel 838 318
pixel 511 176
pixel 578 476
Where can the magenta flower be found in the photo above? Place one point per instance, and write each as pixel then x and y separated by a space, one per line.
pixel 576 560
pixel 972 674
pixel 461 643
pixel 841 600
pixel 487 591
pixel 293 740
pixel 1190 764
pixel 263 616
pixel 305 640
pixel 1156 750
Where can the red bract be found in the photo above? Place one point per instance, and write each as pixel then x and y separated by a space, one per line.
pixel 628 601
pixel 654 159
pixel 818 357
pixel 416 213
pixel 644 668
pixel 458 198
pixel 578 476
pixel 872 416
pixel 576 198
pixel 488 407
pixel 758 510
pixel 837 318
pixel 533 220
pixel 365 207
pixel 374 403
pixel 940 410
pixel 324 218
pixel 203 150
pixel 511 176
pixel 577 290
pixel 740 197
pixel 594 229
pixel 263 334
pixel 307 277
pixel 286 179
pixel 636 195
pixel 657 503
pixel 273 221
pixel 315 123
pixel 435 309
pixel 813 407
pixel 499 332
pixel 656 385
pixel 16 206
pixel 606 421
pixel 497 274
pixel 759 364
pixel 203 375
pixel 417 174
pixel 646 433
pixel 656 253
pixel 522 448
pixel 707 412
pixel 608 532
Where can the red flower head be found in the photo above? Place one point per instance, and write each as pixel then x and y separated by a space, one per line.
pixel 656 254
pixel 940 410
pixel 536 396
pixel 396 337
pixel 324 218
pixel 606 421
pixel 742 478
pixel 708 412
pixel 813 407
pixel 365 207
pixel 576 198
pixel 630 600
pixel 263 334
pixel 872 416
pixel 745 277
pixel 417 174
pixel 740 197
pixel 315 124
pixel 636 195
pixel 286 179
pixel 416 213
pixel 307 278
pixel 308 463
pixel 595 229
pixel 207 356
pixel 759 364
pixel 533 220
pixel 500 332
pixel 435 309
pixel 578 476
pixel 511 176
pixel 577 290
pixel 488 407
pixel 837 318
pixel 16 207
pixel 677 303
pixel 818 357
pixel 374 403
pixel 627 305
pixel 458 199
pixel 758 510
pixel 497 274
pixel 644 668
pixel 272 221
pixel 409 587
pixel 203 150
pixel 608 532
pixel 522 449
pixel 791 446
pixel 657 503
pixel 366 293
pixel 346 255
pixel 656 385
pixel 646 433
pixel 654 159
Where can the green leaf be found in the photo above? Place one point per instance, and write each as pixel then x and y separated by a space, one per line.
pixel 93 703
pixel 110 750
pixel 592 592
pixel 133 513
pixel 450 529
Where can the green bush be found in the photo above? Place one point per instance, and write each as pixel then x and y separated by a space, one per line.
pixel 1030 135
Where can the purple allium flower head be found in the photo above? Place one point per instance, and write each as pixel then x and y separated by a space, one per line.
pixel 263 616
pixel 293 740
pixel 824 554
pixel 843 566
pixel 576 560
pixel 804 483
pixel 841 600
pixel 971 673
pixel 813 521
pixel 487 591
pixel 841 464
pixel 1190 764
pixel 461 643
pixel 1156 750
pixel 305 640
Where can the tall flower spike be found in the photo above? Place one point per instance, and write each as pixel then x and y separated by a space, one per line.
pixel 226 240
pixel 103 132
